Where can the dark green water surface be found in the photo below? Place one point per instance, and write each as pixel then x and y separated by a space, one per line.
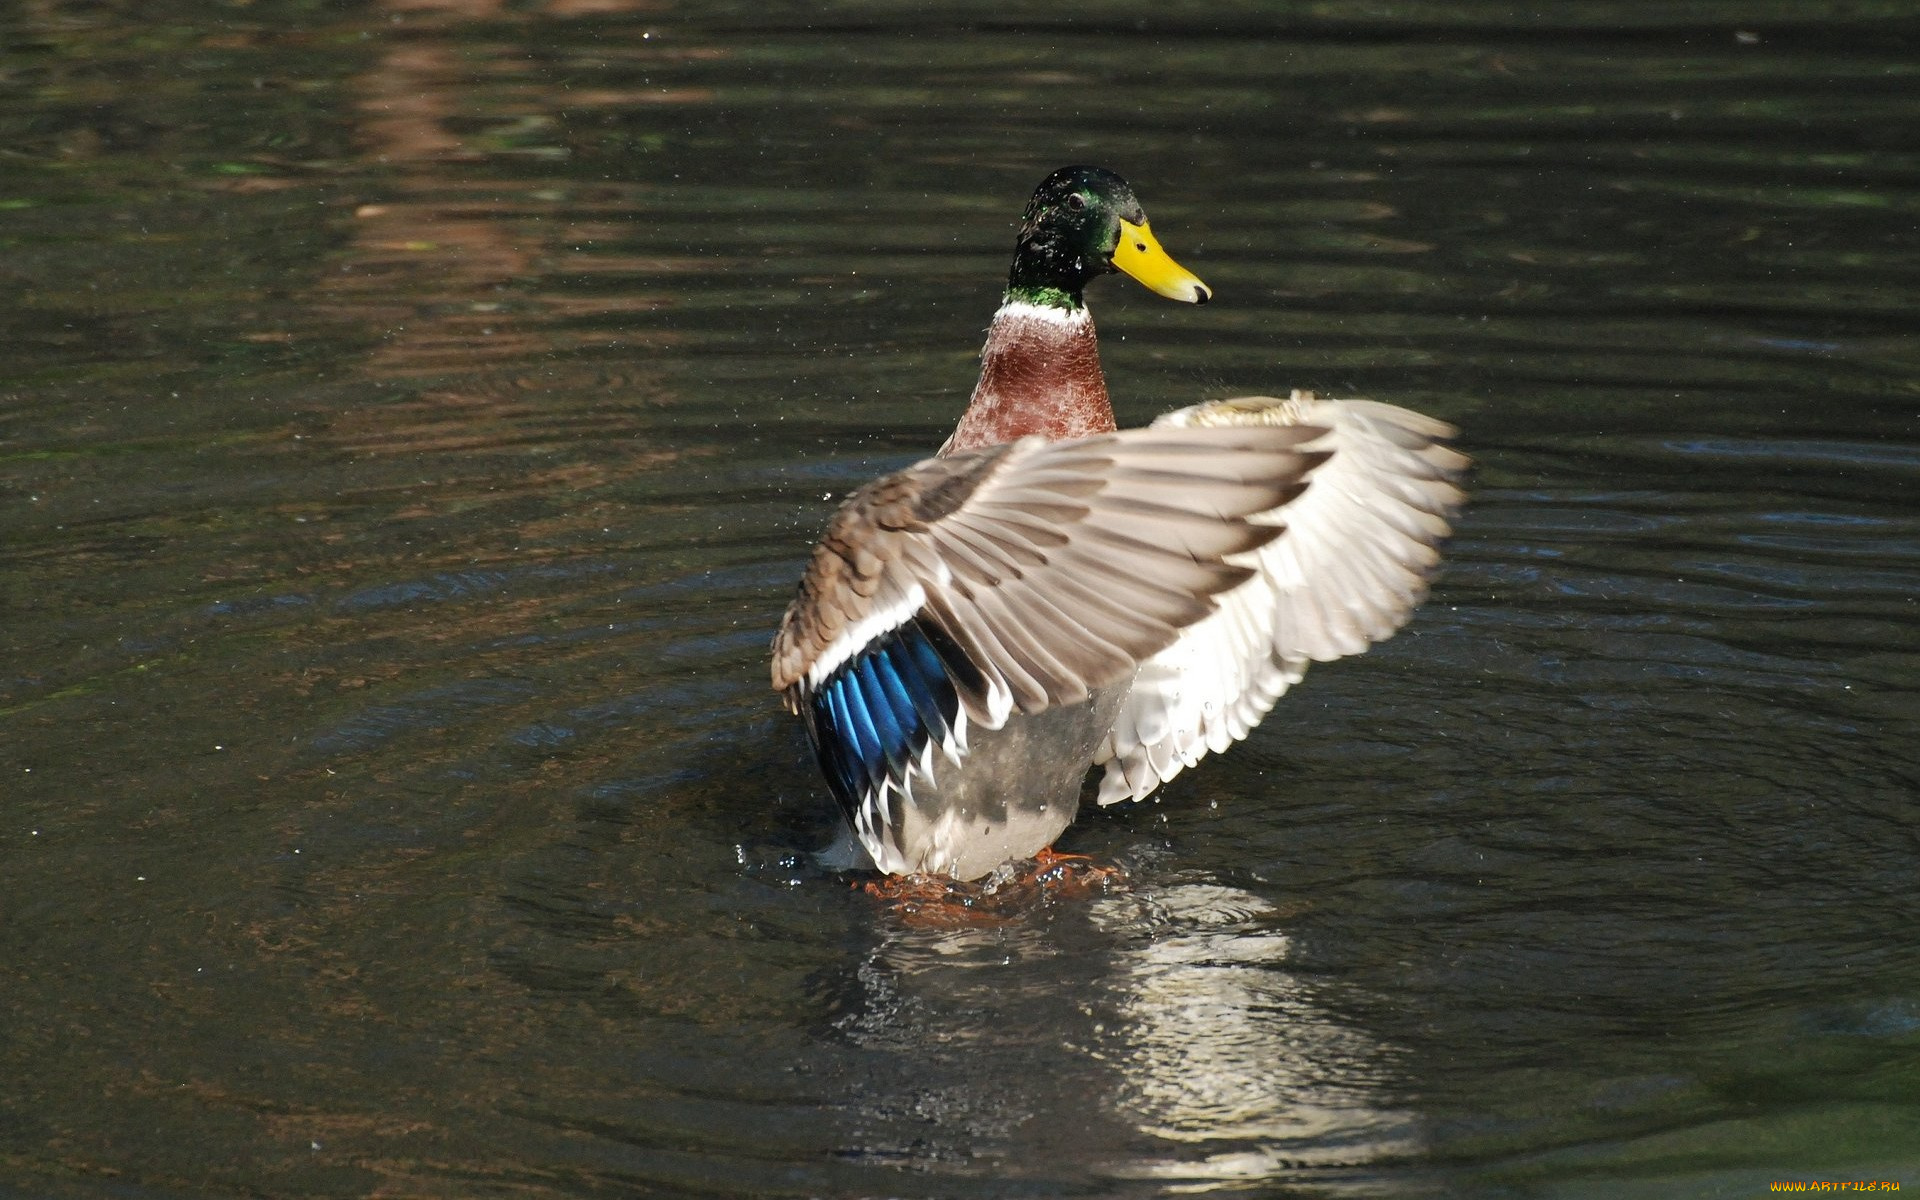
pixel 414 415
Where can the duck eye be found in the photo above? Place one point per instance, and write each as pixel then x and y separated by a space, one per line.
pixel 1076 201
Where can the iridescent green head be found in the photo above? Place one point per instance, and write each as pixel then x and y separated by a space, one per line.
pixel 1084 222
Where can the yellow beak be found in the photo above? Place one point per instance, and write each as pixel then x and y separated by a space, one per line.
pixel 1140 256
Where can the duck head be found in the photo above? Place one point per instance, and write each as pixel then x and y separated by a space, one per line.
pixel 1082 223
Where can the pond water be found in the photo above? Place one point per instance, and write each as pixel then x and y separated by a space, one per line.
pixel 415 415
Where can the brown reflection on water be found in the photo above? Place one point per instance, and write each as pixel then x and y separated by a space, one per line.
pixel 459 271
pixel 493 415
pixel 323 993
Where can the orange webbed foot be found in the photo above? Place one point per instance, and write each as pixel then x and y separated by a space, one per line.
pixel 1074 872
pixel 934 900
pixel 1001 896
pixel 915 889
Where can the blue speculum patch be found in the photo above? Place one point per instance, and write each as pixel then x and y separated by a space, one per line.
pixel 877 713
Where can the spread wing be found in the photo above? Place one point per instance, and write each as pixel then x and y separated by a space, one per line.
pixel 1360 544
pixel 1016 577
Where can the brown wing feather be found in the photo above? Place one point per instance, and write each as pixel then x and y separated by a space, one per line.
pixel 1056 566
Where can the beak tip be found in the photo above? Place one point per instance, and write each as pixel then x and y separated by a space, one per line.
pixel 1200 294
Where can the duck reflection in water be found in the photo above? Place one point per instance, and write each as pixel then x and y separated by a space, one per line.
pixel 1152 1034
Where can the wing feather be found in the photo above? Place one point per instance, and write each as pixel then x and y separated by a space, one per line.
pixel 1025 575
pixel 1359 544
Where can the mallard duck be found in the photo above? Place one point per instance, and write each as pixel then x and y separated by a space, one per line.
pixel 1047 594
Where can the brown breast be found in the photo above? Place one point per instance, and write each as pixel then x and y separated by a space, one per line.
pixel 1039 374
